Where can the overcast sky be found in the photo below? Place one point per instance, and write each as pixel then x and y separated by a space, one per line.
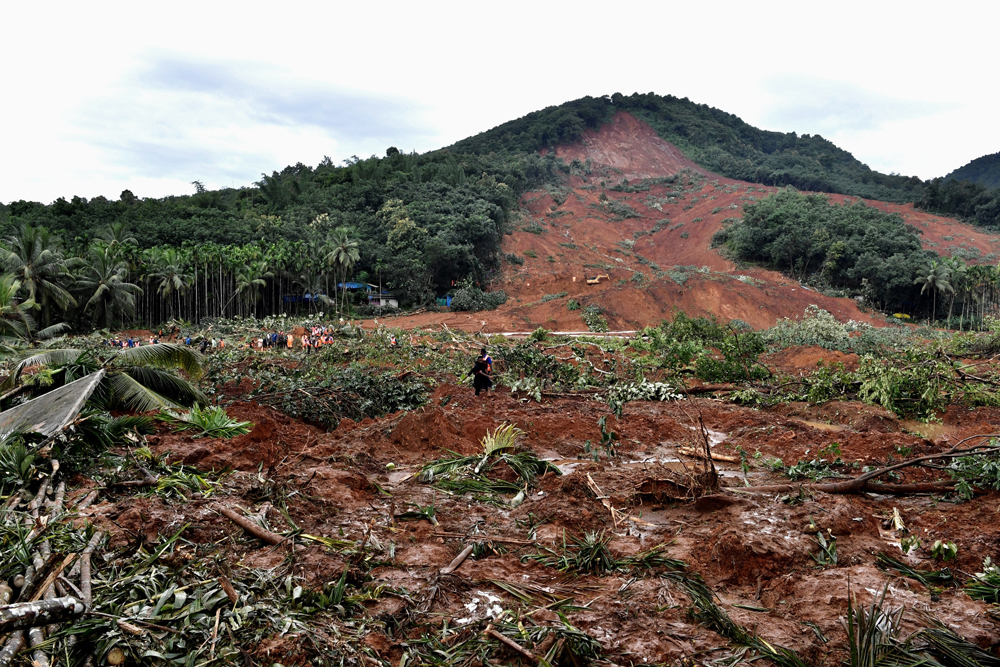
pixel 99 96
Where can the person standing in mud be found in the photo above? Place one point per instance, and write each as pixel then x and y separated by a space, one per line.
pixel 481 379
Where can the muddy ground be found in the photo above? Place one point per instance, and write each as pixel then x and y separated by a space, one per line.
pixel 753 549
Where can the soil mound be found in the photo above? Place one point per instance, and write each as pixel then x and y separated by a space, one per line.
pixel 274 435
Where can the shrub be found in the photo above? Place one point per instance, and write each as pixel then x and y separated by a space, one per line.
pixel 470 298
pixel 553 297
pixel 514 258
pixel 594 320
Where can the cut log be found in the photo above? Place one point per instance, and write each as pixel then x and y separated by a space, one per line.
pixel 252 528
pixel 11 648
pixel 43 612
pixel 459 559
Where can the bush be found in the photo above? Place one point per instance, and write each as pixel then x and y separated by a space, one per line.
pixel 553 297
pixel 514 258
pixel 473 299
pixel 594 320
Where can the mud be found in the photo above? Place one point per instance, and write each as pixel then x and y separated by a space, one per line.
pixel 754 550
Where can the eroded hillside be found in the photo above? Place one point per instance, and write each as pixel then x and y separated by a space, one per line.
pixel 637 210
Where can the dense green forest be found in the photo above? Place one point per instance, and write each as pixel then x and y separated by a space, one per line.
pixel 418 224
pixel 862 251
pixel 983 170
pixel 716 140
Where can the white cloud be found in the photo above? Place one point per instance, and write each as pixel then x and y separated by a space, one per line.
pixel 104 97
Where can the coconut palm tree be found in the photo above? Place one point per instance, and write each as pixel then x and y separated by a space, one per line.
pixel 117 235
pixel 14 321
pixel 343 256
pixel 36 260
pixel 105 279
pixel 936 279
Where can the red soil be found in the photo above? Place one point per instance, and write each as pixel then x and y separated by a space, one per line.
pixel 752 550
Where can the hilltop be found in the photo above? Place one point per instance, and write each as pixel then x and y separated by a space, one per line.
pixel 983 170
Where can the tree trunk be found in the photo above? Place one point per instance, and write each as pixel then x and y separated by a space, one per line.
pixel 43 612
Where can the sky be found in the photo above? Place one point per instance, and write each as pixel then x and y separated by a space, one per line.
pixel 101 97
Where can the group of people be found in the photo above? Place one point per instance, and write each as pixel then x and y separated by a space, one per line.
pixel 129 342
pixel 314 339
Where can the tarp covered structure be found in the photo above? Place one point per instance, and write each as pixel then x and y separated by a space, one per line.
pixel 52 412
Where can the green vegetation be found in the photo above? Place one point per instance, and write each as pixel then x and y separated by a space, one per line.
pixel 851 246
pixel 414 222
pixel 716 140
pixel 983 170
pixel 973 202
pixel 594 320
pixel 212 422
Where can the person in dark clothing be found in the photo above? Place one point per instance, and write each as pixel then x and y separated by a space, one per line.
pixel 481 379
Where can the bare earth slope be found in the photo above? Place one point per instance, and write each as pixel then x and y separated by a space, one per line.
pixel 639 211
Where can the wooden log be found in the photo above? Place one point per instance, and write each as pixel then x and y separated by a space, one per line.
pixel 687 451
pixel 459 559
pixel 94 541
pixel 50 579
pixel 11 648
pixel 252 528
pixel 88 501
pixel 25 615
pixel 510 643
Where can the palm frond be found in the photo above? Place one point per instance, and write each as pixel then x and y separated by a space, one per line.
pixel 165 383
pixel 950 649
pixel 212 422
pixel 504 436
pixel 54 330
pixel 46 358
pixel 126 392
pixel 163 355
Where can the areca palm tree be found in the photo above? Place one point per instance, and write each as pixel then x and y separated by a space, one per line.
pixel 958 273
pixel 343 256
pixel 105 279
pixel 936 278
pixel 137 379
pixel 36 260
pixel 251 279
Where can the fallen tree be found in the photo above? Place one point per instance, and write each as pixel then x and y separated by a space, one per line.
pixel 866 482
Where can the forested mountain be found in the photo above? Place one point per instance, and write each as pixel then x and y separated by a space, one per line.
pixel 983 170
pixel 718 141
